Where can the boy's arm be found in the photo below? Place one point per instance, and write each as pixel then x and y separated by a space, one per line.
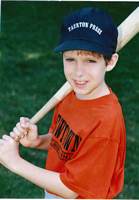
pixel 42 142
pixel 45 179
pixel 48 180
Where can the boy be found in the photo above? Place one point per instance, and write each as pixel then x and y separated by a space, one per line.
pixel 86 141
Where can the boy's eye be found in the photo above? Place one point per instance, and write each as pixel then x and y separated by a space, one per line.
pixel 91 61
pixel 69 59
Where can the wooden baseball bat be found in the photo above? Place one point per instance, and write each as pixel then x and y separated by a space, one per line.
pixel 126 31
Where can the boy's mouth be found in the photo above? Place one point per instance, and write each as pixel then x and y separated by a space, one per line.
pixel 80 84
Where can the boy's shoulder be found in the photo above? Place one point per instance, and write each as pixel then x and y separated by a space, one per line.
pixel 106 108
pixel 108 102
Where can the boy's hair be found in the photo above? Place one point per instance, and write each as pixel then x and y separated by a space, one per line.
pixel 107 59
pixel 88 29
pixel 95 54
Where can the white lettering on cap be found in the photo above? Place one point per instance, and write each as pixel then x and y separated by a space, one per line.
pixel 95 28
pixel 78 25
pixel 87 25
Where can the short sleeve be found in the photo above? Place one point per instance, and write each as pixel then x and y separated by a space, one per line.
pixel 90 172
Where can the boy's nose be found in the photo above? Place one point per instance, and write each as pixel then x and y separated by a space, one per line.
pixel 78 70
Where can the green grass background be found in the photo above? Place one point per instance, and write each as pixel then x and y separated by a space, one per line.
pixel 30 73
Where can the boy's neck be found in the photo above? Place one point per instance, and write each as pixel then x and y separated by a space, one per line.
pixel 100 91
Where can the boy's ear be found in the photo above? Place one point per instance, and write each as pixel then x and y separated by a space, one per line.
pixel 112 62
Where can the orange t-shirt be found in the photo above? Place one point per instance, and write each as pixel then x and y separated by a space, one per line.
pixel 88 146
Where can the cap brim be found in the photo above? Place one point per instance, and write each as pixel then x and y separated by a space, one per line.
pixel 83 45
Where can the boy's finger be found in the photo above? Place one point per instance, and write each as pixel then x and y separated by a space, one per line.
pixel 24 119
pixel 24 124
pixel 22 136
pixel 7 138
pixel 17 132
pixel 1 141
pixel 15 137
pixel 32 127
pixel 12 134
pixel 20 129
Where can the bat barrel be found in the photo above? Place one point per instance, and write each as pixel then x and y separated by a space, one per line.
pixel 128 29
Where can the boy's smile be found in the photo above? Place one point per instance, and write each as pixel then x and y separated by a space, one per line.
pixel 80 84
pixel 85 71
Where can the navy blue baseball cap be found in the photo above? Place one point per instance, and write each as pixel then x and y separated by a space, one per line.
pixel 88 29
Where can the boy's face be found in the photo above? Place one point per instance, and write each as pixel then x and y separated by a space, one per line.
pixel 85 71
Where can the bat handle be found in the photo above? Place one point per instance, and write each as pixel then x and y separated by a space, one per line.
pixel 61 93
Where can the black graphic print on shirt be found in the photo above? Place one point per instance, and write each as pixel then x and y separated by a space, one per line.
pixel 64 141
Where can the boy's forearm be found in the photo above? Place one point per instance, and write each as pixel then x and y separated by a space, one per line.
pixel 45 179
pixel 43 142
